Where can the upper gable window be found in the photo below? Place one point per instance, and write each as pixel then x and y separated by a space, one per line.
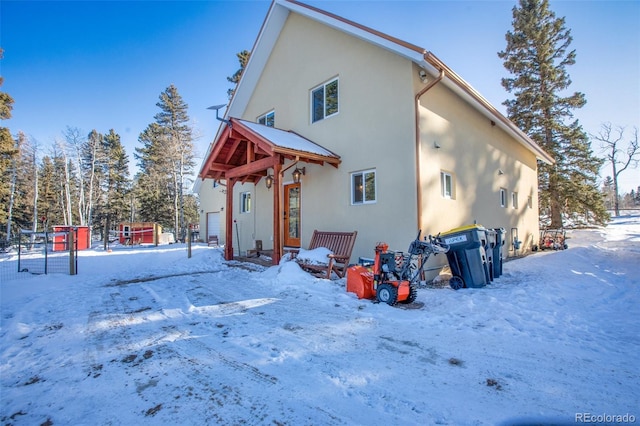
pixel 324 100
pixel 268 119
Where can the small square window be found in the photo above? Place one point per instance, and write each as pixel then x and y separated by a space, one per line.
pixel 363 187
pixel 503 197
pixel 245 202
pixel 446 184
pixel 324 101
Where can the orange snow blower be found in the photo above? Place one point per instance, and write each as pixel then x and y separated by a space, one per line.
pixel 389 282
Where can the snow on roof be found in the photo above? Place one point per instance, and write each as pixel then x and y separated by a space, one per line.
pixel 287 139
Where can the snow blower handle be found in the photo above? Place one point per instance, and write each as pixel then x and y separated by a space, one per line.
pixel 429 246
pixel 437 245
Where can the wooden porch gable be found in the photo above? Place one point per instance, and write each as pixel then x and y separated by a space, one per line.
pixel 247 147
pixel 245 152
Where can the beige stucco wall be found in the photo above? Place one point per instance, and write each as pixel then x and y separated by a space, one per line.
pixel 212 200
pixel 474 151
pixel 375 129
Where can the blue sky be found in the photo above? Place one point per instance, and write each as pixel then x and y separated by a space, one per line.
pixel 102 64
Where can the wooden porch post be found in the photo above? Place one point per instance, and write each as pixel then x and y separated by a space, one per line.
pixel 277 213
pixel 228 245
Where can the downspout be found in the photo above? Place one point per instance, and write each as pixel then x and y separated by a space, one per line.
pixel 417 130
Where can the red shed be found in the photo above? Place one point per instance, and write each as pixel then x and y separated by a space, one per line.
pixel 139 233
pixel 61 237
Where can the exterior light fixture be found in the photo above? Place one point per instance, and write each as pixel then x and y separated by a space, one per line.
pixel 269 181
pixel 500 172
pixel 297 173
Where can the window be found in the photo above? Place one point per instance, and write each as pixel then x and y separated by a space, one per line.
pixel 514 200
pixel 446 183
pixel 363 187
pixel 530 202
pixel 324 101
pixel 503 197
pixel 268 119
pixel 245 202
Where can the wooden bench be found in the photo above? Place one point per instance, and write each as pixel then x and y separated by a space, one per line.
pixel 213 240
pixel 339 243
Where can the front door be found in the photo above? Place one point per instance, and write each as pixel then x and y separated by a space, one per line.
pixel 292 215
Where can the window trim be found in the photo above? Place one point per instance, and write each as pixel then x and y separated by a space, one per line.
pixel 514 200
pixel 503 197
pixel 265 116
pixel 443 177
pixel 363 173
pixel 245 202
pixel 323 86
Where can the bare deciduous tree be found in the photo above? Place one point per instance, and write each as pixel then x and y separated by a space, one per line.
pixel 619 154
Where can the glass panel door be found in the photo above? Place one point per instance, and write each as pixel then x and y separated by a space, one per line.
pixel 292 215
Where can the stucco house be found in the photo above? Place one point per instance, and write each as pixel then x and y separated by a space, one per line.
pixel 385 138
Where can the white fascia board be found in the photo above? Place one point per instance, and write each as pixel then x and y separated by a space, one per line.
pixel 196 186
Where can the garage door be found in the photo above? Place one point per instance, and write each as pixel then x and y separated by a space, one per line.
pixel 213 224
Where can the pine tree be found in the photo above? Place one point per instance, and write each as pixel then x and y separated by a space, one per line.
pixel 537 56
pixel 48 194
pixel 153 182
pixel 608 192
pixel 25 183
pixel 174 136
pixel 115 170
pixel 243 58
pixel 7 158
pixel 8 151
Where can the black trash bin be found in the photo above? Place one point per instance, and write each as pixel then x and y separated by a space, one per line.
pixel 497 252
pixel 467 256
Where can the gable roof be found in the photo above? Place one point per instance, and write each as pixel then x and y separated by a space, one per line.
pixel 246 150
pixel 275 20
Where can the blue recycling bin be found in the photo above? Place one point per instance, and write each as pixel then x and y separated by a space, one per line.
pixel 467 256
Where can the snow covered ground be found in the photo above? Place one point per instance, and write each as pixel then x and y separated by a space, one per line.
pixel 148 336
